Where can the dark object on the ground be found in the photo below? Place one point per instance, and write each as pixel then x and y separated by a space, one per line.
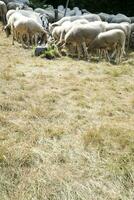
pixel 40 50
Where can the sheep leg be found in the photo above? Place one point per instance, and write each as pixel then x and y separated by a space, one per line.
pixel 78 51
pixel 121 54
pixel 61 38
pixel 63 46
pixel 59 43
pixel 28 40
pixel 114 53
pixel 107 55
pixel 115 49
pixel 13 40
pixel 85 51
pixel 99 53
pixel 118 55
pixel 36 39
pixel 22 41
pixel 13 37
pixel 128 41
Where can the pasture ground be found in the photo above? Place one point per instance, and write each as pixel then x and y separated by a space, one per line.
pixel 66 127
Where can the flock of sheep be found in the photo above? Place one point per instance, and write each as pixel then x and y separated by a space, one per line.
pixel 81 33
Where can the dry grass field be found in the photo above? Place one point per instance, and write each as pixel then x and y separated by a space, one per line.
pixel 66 127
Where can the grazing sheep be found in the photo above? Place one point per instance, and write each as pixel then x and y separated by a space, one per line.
pixel 13 15
pixel 66 26
pixel 10 25
pixel 82 35
pixel 56 33
pixel 29 28
pixel 124 26
pixel 31 14
pixel 26 13
pixel 113 39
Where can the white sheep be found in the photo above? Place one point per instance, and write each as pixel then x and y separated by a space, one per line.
pixel 66 26
pixel 26 27
pixel 82 35
pixel 110 40
pixel 124 26
pixel 10 25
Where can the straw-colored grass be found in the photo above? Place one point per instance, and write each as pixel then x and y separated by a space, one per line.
pixel 66 127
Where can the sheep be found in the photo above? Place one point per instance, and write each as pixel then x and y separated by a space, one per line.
pixel 3 11
pixel 9 27
pixel 17 20
pixel 82 35
pixel 127 28
pixel 29 28
pixel 26 13
pixel 89 17
pixel 35 28
pixel 56 33
pixel 66 26
pixel 124 26
pixel 13 15
pixel 31 14
pixel 112 39
pixel 20 31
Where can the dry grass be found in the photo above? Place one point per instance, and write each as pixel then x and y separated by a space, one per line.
pixel 66 128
